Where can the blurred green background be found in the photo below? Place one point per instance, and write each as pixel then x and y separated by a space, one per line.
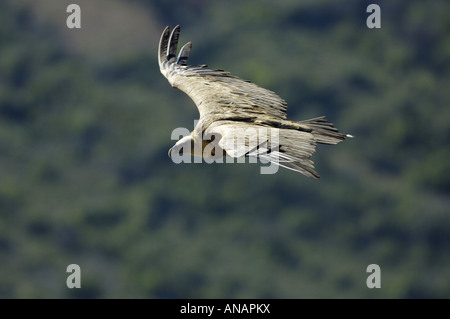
pixel 85 124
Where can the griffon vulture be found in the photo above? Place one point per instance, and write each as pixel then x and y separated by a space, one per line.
pixel 231 107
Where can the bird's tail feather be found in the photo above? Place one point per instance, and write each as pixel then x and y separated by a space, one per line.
pixel 295 151
pixel 297 147
pixel 324 132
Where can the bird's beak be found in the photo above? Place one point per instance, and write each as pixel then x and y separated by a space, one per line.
pixel 170 153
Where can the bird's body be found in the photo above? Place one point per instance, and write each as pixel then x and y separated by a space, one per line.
pixel 241 118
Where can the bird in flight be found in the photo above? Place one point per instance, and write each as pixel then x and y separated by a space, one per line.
pixel 238 117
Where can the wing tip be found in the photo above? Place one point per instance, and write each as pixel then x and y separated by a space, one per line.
pixel 183 56
pixel 163 41
pixel 173 43
pixel 168 47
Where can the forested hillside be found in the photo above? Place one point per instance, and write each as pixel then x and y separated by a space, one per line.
pixel 85 125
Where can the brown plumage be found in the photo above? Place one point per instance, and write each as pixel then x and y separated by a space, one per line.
pixel 231 107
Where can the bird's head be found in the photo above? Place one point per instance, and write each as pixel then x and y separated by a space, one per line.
pixel 183 146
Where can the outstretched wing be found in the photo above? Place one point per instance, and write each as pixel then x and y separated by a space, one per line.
pixel 215 92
